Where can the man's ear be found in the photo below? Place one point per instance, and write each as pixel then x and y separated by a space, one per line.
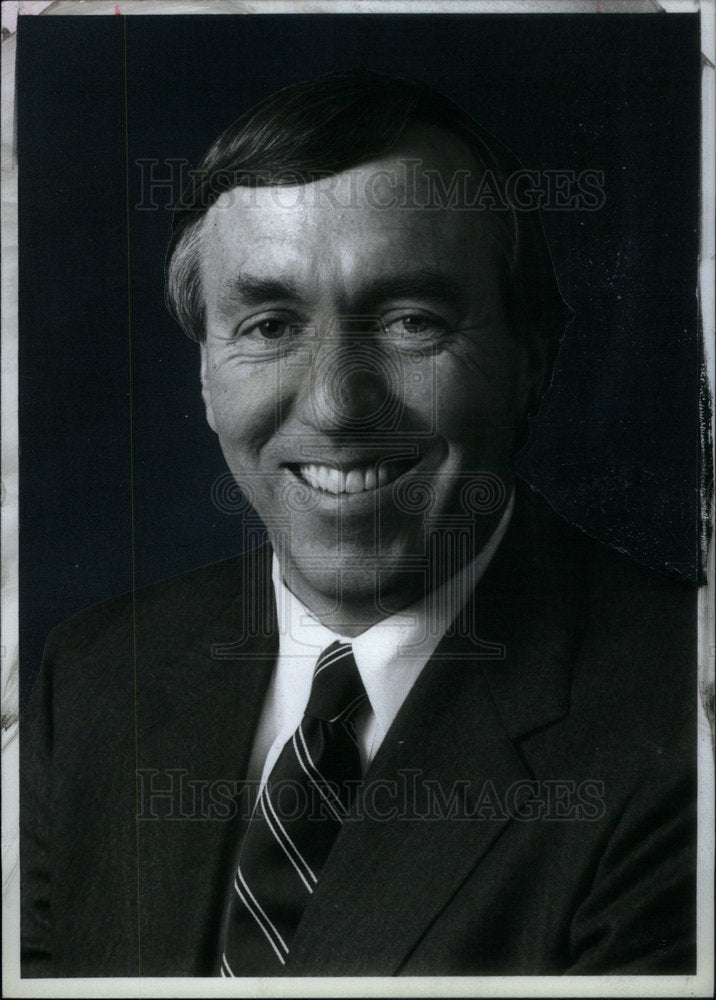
pixel 205 390
pixel 537 357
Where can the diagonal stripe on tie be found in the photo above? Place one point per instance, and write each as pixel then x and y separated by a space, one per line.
pixel 297 818
pixel 305 760
pixel 284 840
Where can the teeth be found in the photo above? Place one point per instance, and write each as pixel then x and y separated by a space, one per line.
pixel 355 481
pixel 336 481
pixel 330 480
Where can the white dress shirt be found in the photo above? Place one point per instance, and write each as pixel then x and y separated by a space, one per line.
pixel 389 656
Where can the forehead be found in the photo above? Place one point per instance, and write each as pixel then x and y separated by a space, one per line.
pixel 408 209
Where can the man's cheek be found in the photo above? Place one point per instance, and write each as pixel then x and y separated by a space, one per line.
pixel 480 373
pixel 473 404
pixel 245 420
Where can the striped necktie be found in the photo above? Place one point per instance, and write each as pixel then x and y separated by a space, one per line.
pixel 297 818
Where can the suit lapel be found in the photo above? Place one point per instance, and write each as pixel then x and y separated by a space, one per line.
pixel 204 684
pixel 198 702
pixel 452 752
pixel 396 865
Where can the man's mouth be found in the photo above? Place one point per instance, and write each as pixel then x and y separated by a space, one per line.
pixel 359 479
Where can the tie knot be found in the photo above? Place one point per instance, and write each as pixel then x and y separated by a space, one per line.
pixel 337 689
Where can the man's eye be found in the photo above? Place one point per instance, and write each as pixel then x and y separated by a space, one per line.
pixel 414 325
pixel 268 329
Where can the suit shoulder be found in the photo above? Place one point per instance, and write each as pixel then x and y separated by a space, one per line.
pixel 614 571
pixel 177 602
pixel 625 590
pixel 636 628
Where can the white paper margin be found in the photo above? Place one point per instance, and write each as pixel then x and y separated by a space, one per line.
pixel 701 985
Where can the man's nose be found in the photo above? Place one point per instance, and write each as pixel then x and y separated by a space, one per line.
pixel 351 384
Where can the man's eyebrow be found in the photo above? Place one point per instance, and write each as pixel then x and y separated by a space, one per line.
pixel 250 290
pixel 419 284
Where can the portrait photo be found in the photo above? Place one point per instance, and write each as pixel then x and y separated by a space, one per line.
pixel 361 476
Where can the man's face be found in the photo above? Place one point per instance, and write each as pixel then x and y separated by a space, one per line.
pixel 360 374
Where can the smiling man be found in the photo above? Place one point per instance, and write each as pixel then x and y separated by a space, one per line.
pixel 357 342
pixel 428 728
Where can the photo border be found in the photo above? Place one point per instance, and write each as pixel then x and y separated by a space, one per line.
pixel 699 985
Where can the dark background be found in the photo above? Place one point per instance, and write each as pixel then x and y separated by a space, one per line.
pixel 615 446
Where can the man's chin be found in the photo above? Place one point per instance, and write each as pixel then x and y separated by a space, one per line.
pixel 355 590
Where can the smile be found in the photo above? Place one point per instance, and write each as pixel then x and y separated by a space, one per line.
pixel 360 479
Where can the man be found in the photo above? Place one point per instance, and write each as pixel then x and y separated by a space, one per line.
pixel 429 729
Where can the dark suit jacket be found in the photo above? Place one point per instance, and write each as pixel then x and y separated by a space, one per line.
pixel 531 811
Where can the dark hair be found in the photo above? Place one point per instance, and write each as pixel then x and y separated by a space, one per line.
pixel 322 127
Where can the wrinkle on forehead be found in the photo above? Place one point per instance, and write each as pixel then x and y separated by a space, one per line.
pixel 328 234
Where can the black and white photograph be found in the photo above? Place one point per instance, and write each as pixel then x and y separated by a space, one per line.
pixel 357 492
